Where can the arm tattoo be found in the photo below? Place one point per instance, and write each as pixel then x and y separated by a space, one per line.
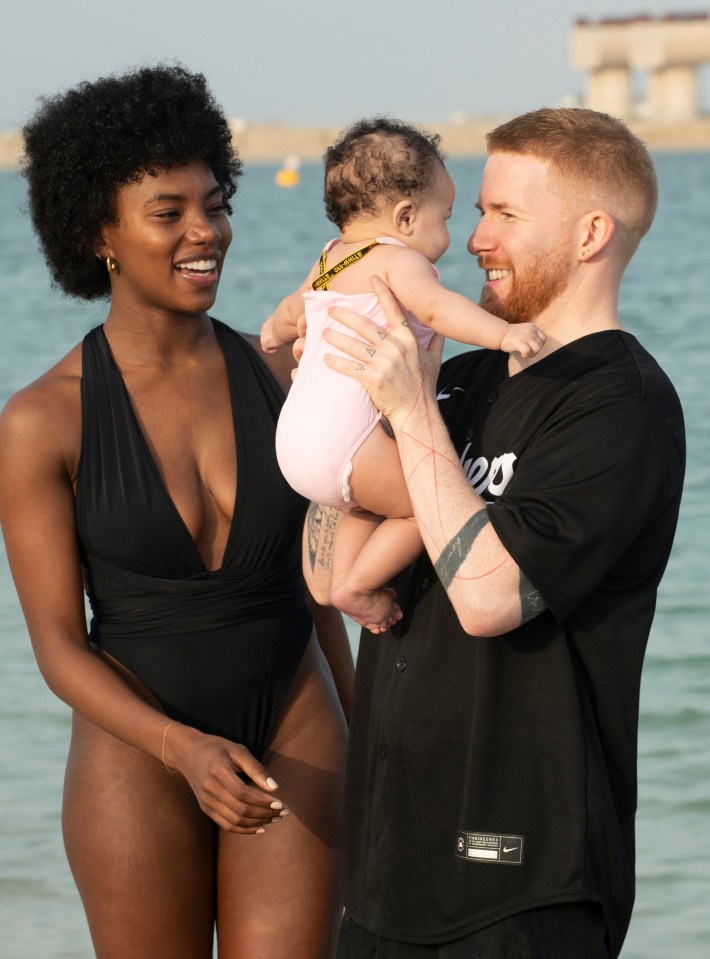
pixel 531 602
pixel 321 522
pixel 455 552
pixel 312 528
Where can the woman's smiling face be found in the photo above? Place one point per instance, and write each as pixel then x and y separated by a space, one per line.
pixel 169 241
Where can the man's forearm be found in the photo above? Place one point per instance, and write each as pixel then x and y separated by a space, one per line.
pixel 480 576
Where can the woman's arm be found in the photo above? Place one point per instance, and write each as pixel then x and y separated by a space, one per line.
pixel 39 440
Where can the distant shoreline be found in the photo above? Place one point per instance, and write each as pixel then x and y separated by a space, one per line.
pixel 261 142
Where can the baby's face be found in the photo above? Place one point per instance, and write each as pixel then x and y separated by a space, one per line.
pixel 431 232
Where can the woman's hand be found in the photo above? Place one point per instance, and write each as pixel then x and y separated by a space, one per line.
pixel 211 765
pixel 387 362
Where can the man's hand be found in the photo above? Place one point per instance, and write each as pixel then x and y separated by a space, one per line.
pixel 386 361
pixel 269 343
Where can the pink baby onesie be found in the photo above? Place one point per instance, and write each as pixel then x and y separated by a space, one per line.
pixel 327 415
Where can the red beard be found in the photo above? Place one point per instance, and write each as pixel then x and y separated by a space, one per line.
pixel 532 289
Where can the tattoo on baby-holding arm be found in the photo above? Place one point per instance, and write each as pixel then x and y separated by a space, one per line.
pixel 312 532
pixel 531 602
pixel 321 523
pixel 456 550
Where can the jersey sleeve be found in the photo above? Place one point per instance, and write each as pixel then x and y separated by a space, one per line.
pixel 596 485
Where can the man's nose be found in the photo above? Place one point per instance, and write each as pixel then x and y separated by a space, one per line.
pixel 480 240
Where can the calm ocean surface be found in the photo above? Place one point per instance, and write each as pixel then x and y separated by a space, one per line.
pixel 277 233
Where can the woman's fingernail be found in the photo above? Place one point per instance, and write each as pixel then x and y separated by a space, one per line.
pixel 285 812
pixel 276 819
pixel 271 783
pixel 276 804
pixel 260 830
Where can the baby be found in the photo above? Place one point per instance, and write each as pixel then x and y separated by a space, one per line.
pixel 388 192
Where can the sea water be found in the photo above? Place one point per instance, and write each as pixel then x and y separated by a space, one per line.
pixel 277 234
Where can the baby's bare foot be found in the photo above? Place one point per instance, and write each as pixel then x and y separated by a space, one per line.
pixel 376 628
pixel 374 609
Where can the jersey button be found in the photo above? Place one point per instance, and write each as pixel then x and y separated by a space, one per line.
pixel 426 583
pixel 492 397
pixel 401 664
pixel 383 750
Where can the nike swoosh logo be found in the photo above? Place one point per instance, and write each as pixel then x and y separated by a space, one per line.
pixel 510 848
pixel 445 396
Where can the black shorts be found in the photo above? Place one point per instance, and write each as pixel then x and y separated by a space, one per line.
pixel 553 932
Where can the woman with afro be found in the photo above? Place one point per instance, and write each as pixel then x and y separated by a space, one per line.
pixel 203 779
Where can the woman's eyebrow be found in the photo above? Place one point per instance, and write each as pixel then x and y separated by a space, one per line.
pixel 174 197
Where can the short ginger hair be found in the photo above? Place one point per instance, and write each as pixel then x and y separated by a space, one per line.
pixel 593 151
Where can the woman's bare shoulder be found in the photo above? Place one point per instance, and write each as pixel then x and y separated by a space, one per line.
pixel 44 417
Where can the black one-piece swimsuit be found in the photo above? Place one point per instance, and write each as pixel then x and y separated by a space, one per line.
pixel 218 649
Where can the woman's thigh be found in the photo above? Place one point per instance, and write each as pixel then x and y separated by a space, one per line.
pixel 141 851
pixel 279 893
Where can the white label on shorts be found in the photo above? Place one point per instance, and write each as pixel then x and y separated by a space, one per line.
pixel 490 847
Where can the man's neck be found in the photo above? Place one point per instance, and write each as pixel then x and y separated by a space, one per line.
pixel 570 318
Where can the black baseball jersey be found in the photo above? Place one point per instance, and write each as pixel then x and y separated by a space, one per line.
pixel 488 776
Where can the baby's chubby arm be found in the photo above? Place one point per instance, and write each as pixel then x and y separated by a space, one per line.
pixel 279 329
pixel 414 282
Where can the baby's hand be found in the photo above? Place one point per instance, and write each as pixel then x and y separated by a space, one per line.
pixel 269 343
pixel 524 338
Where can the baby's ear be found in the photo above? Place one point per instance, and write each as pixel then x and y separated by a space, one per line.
pixel 403 216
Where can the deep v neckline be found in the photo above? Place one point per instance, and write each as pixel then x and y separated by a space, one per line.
pixel 150 458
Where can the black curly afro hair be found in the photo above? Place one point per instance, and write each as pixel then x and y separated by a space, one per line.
pixel 374 160
pixel 82 145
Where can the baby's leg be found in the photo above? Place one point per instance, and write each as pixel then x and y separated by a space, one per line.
pixel 377 482
pixel 367 551
pixel 374 607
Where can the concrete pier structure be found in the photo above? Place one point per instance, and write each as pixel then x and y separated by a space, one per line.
pixel 670 50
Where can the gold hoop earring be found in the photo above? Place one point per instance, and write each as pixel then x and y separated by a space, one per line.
pixel 111 264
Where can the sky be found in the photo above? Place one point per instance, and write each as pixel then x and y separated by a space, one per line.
pixel 321 63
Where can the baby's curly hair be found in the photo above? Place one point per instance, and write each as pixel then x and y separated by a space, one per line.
pixel 374 160
pixel 81 146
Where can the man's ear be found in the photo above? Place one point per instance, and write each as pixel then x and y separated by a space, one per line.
pixel 595 231
pixel 403 215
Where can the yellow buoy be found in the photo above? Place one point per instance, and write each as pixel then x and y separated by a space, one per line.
pixel 285 177
pixel 288 175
